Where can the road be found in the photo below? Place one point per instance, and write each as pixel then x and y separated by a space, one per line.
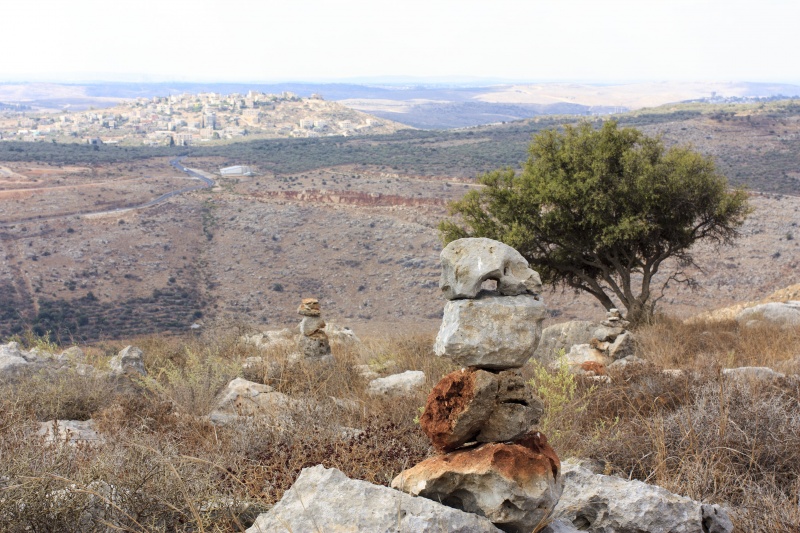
pixel 205 184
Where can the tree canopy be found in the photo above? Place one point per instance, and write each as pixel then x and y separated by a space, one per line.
pixel 601 210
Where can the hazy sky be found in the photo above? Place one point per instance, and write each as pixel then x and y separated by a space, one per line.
pixel 311 40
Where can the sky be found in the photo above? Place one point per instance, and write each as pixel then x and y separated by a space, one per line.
pixel 602 41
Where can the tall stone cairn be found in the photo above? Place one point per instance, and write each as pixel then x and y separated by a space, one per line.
pixel 480 417
pixel 312 342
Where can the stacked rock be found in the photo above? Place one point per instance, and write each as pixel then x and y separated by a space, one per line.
pixel 480 417
pixel 312 342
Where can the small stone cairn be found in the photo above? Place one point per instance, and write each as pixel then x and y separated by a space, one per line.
pixel 312 343
pixel 480 417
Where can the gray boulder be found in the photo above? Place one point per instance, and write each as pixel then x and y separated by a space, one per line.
pixel 493 332
pixel 563 336
pixel 752 373
pixel 609 504
pixel 397 384
pixel 130 360
pixel 467 263
pixel 786 314
pixel 70 432
pixel 12 359
pixel 242 398
pixel 325 500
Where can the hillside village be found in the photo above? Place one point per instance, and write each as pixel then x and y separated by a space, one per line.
pixel 187 119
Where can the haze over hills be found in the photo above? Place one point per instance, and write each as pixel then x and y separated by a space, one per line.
pixel 430 106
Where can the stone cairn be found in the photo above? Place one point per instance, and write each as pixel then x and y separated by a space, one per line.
pixel 480 417
pixel 312 343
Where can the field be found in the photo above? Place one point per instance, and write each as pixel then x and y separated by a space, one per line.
pixel 162 466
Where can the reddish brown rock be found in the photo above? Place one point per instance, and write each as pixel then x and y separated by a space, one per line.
pixel 599 369
pixel 514 485
pixel 458 407
pixel 476 405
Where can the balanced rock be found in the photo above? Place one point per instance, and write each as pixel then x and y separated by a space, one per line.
pixel 594 502
pixel 325 500
pixel 467 263
pixel 515 486
pixel 309 307
pixel 476 405
pixel 493 332
pixel 130 360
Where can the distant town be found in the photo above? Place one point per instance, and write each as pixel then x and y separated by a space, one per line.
pixel 187 119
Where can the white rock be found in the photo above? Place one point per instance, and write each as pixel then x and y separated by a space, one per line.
pixel 12 359
pixel 467 263
pixel 582 353
pixel 785 314
pixel 130 360
pixel 242 398
pixel 325 500
pixel 495 332
pixel 402 384
pixel 594 502
pixel 623 346
pixel 755 373
pixel 562 337
pixel 70 432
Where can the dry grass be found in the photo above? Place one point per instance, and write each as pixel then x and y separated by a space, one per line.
pixel 163 467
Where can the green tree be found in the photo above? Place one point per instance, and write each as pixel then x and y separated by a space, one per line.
pixel 600 211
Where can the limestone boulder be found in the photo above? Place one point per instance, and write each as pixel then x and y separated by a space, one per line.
pixel 785 314
pixel 584 358
pixel 491 332
pixel 515 486
pixel 563 336
pixel 403 384
pixel 467 263
pixel 312 325
pixel 623 346
pixel 242 398
pixel 752 373
pixel 517 409
pixel 325 500
pixel 72 432
pixel 13 359
pixel 594 502
pixel 129 361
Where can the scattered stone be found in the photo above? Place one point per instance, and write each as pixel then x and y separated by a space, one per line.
pixel 631 360
pixel 72 432
pixel 467 263
pixel 366 372
pixel 786 314
pixel 402 384
pixel 326 500
pixel 515 486
pixel 594 502
pixel 242 398
pixel 130 360
pixel 491 332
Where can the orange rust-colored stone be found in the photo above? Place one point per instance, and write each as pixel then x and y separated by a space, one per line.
pixel 453 413
pixel 599 369
pixel 309 307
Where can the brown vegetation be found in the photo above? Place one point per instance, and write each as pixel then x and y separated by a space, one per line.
pixel 164 467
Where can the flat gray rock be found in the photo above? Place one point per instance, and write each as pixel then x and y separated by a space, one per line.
pixel 786 314
pixel 492 332
pixel 609 504
pixel 467 263
pixel 325 500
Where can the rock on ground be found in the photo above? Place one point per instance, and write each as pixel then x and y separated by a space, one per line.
pixel 70 432
pixel 325 500
pixel 242 398
pixel 606 504
pixel 493 332
pixel 562 337
pixel 467 263
pixel 401 384
pixel 515 486
pixel 786 314
pixel 130 360
pixel 12 359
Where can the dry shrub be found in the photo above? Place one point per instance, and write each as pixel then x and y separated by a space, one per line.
pixel 700 344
